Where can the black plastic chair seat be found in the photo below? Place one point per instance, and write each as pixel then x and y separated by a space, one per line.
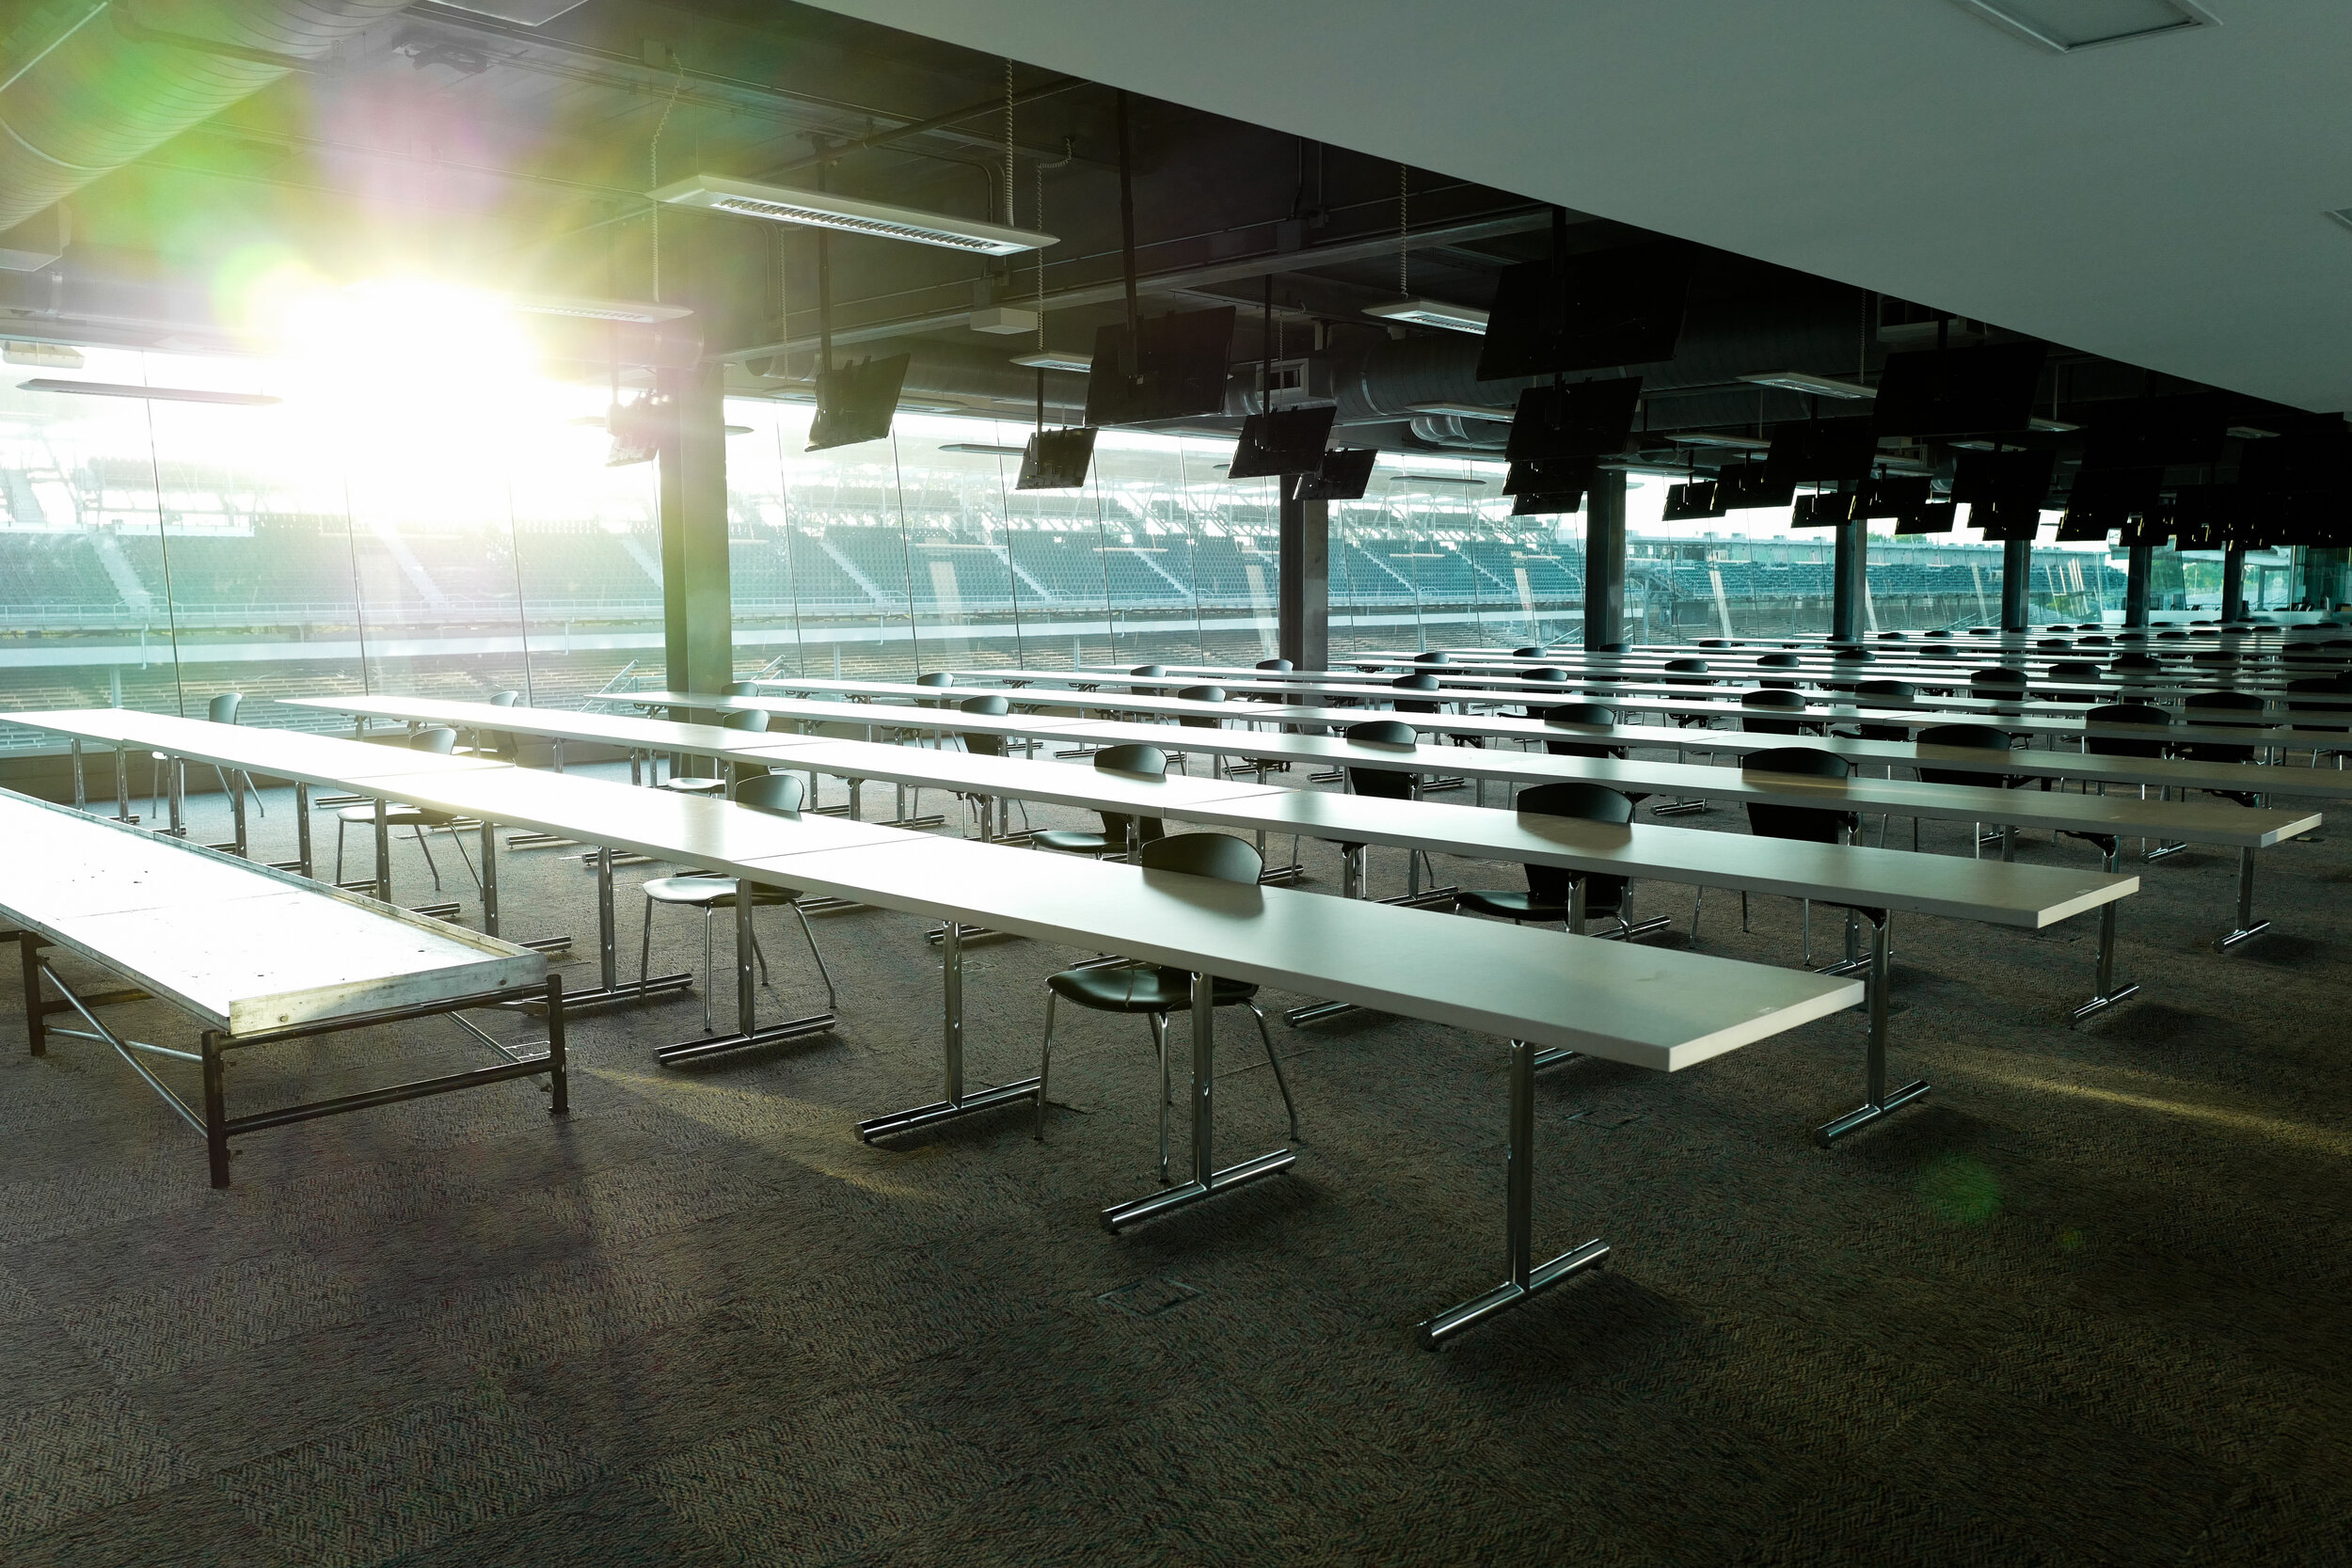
pixel 1073 841
pixel 1147 989
pixel 1504 904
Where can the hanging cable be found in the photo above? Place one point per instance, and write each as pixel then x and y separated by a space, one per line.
pixel 1404 227
pixel 653 171
pixel 1011 220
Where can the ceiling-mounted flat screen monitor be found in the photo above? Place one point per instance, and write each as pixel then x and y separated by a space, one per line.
pixel 1741 485
pixel 1284 441
pixel 1343 476
pixel 2005 479
pixel 1691 502
pixel 1894 495
pixel 1176 371
pixel 1585 419
pixel 2117 492
pixel 1933 517
pixel 1606 307
pixel 2153 432
pixel 2312 453
pixel 2006 520
pixel 1549 476
pixel 1541 506
pixel 2145 531
pixel 2080 527
pixel 854 402
pixel 1056 459
pixel 1961 391
pixel 1825 509
pixel 1836 450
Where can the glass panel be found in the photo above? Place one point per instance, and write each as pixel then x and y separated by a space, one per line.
pixel 582 545
pixel 967 612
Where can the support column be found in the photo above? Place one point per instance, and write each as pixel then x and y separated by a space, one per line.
pixel 2140 568
pixel 1604 560
pixel 1847 574
pixel 698 610
pixel 2234 583
pixel 1304 594
pixel 2016 578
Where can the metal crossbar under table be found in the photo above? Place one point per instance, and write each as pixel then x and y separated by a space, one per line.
pixel 748 1031
pixel 956 1101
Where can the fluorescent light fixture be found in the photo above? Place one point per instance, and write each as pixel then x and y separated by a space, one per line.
pixel 1459 411
pixel 1437 478
pixel 1431 312
pixel 2062 26
pixel 1057 360
pixel 158 394
pixel 1705 439
pixel 2050 425
pixel 1819 385
pixel 982 448
pixel 2250 432
pixel 642 312
pixel 55 357
pixel 824 210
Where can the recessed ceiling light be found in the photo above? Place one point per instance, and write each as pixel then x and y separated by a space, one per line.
pixel 1431 312
pixel 1461 411
pixel 2062 26
pixel 1057 360
pixel 1819 385
pixel 848 215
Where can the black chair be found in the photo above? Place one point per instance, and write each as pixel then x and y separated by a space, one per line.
pixel 1280 666
pixel 1383 784
pixel 1414 683
pixel 1888 694
pixel 493 743
pixel 1545 675
pixel 1435 655
pixel 2072 670
pixel 1552 890
pixel 1155 990
pixel 1581 713
pixel 2333 694
pixel 1120 833
pixel 776 795
pixel 1756 705
pixel 442 741
pixel 2094 640
pixel 1806 824
pixel 937 678
pixel 222 709
pixel 2134 664
pixel 1527 653
pixel 2210 708
pixel 1894 637
pixel 1967 737
pixel 1779 661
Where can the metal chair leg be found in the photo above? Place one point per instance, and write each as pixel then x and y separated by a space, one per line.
pixel 339 826
pixel 761 954
pixel 1697 904
pixel 1159 1022
pixel 831 1001
pixel 419 833
pixel 1275 1062
pixel 707 971
pixel 1044 1057
pixel 644 945
pixel 459 839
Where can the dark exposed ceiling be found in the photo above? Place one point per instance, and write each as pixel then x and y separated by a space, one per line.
pixel 516 156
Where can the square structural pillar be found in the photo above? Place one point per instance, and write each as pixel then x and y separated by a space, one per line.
pixel 1604 560
pixel 1303 620
pixel 2016 579
pixel 697 604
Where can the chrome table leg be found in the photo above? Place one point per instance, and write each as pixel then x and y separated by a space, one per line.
pixel 81 791
pixel 2108 993
pixel 957 1102
pixel 1207 1181
pixel 610 987
pixel 1880 1103
pixel 2248 927
pixel 747 1033
pixel 1525 1278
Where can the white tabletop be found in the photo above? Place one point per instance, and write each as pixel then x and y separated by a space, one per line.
pixel 560 723
pixel 317 759
pixel 241 947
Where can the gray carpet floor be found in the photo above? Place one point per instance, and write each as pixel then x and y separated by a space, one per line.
pixel 2087 1303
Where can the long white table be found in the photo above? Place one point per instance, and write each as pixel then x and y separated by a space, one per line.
pixel 254 955
pixel 1648 1007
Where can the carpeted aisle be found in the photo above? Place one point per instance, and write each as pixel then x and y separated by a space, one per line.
pixel 2089 1303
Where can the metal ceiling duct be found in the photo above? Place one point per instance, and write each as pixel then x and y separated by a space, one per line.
pixel 112 88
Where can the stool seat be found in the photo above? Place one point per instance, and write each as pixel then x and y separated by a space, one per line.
pixel 1148 989
pixel 695 786
pixel 710 893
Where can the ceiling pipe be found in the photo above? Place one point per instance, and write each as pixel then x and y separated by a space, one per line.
pixel 116 89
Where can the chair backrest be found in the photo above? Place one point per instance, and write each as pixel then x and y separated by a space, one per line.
pixel 441 739
pixel 740 689
pixel 1981 737
pixel 994 703
pixel 1782 702
pixel 1854 656
pixel 2223 702
pixel 2092 641
pixel 2171 636
pixel 505 699
pixel 1277 665
pixel 2124 713
pixel 1685 667
pixel 1778 662
pixel 937 677
pixel 1812 763
pixel 1544 676
pixel 2052 644
pixel 1585 803
pixel 223 708
pixel 1382 731
pixel 1940 631
pixel 1527 653
pixel 1150 670
pixel 1996 674
pixel 1201 693
pixel 1894 637
pixel 1608 647
pixel 777 794
pixel 2074 670
pixel 1435 655
pixel 753 720
pixel 1580 713
pixel 1221 856
pixel 1891 692
pixel 1133 758
pixel 2137 661
pixel 982 745
pixel 1415 683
